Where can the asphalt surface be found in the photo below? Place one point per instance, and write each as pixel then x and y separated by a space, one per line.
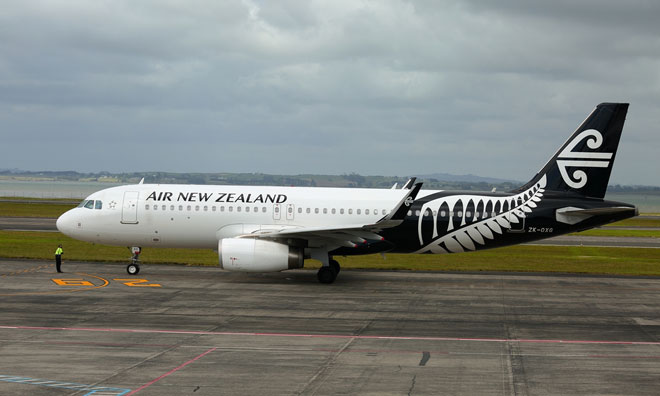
pixel 27 224
pixel 95 330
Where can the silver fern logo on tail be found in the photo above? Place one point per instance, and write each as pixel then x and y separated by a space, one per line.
pixel 470 220
pixel 580 159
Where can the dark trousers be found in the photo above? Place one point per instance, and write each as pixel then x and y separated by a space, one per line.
pixel 58 262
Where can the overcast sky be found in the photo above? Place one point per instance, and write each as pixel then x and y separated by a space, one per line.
pixel 375 87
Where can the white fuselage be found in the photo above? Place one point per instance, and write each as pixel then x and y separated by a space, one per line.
pixel 198 216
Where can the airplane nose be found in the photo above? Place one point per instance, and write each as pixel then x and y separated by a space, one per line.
pixel 64 223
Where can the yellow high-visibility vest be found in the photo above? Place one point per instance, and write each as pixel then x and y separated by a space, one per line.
pixel 59 251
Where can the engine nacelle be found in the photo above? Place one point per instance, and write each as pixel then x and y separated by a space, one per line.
pixel 255 255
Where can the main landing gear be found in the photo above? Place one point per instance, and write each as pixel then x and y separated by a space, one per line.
pixel 328 273
pixel 134 267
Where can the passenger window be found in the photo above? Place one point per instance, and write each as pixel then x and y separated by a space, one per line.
pixel 366 211
pixel 341 211
pixel 384 212
pixel 196 208
pixel 180 208
pixel 206 208
pixel 155 207
pixel 316 211
pixel 308 211
pixel 222 208
pixel 146 206
pixel 89 205
pixel 350 211
pixel 325 210
pixel 189 208
pixel 263 209
pixel 98 205
pixel 164 207
pixel 409 213
pixel 238 208
pixel 334 210
pixel 213 208
pixel 290 209
pixel 247 208
pixel 231 209
pixel 359 211
pixel 299 210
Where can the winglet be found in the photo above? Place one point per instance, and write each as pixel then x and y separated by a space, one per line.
pixel 409 184
pixel 141 181
pixel 400 210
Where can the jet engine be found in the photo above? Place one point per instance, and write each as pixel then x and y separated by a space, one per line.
pixel 256 255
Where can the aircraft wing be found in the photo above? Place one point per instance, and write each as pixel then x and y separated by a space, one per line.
pixel 349 235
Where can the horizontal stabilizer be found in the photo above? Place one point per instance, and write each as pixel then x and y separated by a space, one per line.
pixel 572 215
pixel 599 211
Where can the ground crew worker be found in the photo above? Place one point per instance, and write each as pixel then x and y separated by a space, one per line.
pixel 58 257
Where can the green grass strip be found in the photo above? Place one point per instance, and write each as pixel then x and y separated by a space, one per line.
pixel 571 259
pixel 42 245
pixel 604 232
pixel 22 209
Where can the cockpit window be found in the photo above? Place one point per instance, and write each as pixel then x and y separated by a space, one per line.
pixel 98 205
pixel 82 203
pixel 89 204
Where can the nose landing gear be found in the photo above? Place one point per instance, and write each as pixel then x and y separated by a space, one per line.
pixel 134 267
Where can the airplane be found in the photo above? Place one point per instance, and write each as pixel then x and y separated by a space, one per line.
pixel 265 229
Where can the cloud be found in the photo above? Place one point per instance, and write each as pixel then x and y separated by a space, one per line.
pixel 388 87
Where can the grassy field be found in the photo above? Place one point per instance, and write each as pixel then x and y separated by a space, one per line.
pixel 605 232
pixel 575 259
pixel 579 259
pixel 22 209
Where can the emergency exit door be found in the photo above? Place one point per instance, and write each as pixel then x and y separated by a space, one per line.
pixel 129 208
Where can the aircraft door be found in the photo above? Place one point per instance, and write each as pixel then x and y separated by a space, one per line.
pixel 277 214
pixel 129 208
pixel 289 211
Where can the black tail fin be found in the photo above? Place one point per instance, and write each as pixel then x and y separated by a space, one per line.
pixel 584 163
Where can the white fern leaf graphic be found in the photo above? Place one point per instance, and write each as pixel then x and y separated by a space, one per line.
pixel 505 211
pixel 476 235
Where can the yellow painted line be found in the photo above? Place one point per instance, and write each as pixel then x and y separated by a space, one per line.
pixel 105 283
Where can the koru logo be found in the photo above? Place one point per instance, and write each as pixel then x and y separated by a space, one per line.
pixel 408 201
pixel 579 159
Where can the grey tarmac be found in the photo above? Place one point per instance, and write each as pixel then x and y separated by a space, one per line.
pixel 179 330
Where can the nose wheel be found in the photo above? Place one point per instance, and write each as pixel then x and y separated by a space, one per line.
pixel 134 267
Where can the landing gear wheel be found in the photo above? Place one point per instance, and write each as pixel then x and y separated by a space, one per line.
pixel 326 275
pixel 133 269
pixel 334 264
